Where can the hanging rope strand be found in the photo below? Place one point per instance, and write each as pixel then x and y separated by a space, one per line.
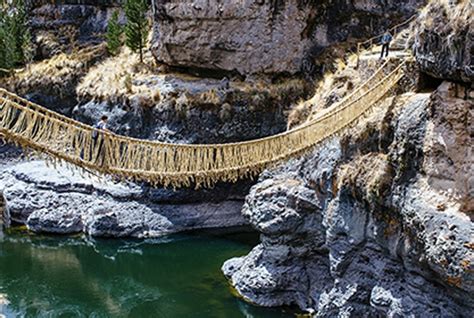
pixel 37 128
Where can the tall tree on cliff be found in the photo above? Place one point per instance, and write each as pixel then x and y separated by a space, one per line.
pixel 136 29
pixel 15 38
pixel 114 34
pixel 7 43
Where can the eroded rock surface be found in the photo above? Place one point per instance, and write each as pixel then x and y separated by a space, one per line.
pixel 67 24
pixel 62 201
pixel 373 224
pixel 223 111
pixel 263 37
pixel 444 42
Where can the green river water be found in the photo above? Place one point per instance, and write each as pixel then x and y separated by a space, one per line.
pixel 176 276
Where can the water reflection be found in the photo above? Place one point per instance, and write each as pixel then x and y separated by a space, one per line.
pixel 176 276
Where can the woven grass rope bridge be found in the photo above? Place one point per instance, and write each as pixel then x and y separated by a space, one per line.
pixel 164 164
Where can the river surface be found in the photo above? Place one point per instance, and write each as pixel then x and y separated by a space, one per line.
pixel 176 276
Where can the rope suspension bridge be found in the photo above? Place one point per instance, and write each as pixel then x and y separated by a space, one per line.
pixel 61 138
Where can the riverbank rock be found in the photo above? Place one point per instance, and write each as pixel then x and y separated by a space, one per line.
pixel 62 201
pixel 375 223
pixel 444 40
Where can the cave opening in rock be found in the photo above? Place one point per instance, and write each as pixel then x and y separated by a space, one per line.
pixel 428 83
pixel 206 73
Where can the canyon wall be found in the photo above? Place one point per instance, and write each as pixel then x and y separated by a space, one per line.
pixel 378 221
pixel 375 223
pixel 444 43
pixel 264 37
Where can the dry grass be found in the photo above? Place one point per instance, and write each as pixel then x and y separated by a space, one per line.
pixel 57 75
pixel 273 90
pixel 119 79
pixel 262 94
pixel 331 88
pixel 210 97
pixel 457 13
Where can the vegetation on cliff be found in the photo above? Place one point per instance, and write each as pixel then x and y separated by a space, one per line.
pixel 15 38
pixel 444 43
pixel 114 34
pixel 136 29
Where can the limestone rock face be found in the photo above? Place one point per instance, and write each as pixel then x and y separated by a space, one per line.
pixel 448 160
pixel 375 223
pixel 262 37
pixel 246 36
pixel 63 201
pixel 444 42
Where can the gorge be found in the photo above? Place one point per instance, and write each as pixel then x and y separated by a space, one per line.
pixel 375 221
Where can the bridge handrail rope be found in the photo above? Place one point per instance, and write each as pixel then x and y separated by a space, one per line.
pixel 371 41
pixel 40 109
pixel 173 164
pixel 4 94
pixel 357 92
pixel 42 130
pixel 392 30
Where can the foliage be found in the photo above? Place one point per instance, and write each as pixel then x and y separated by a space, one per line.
pixel 57 75
pixel 136 29
pixel 15 38
pixel 114 34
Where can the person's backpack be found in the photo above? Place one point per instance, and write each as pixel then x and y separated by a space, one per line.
pixel 97 126
pixel 386 38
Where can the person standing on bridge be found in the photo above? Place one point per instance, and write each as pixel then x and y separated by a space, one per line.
pixel 101 125
pixel 386 39
pixel 98 143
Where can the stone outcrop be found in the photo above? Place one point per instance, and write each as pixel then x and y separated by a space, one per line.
pixel 375 223
pixel 444 42
pixel 61 27
pixel 263 37
pixel 63 201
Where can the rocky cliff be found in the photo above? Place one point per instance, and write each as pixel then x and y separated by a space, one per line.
pixel 67 25
pixel 264 37
pixel 444 45
pixel 376 223
pixel 66 200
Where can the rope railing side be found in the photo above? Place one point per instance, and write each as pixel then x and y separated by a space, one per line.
pixel 288 145
pixel 372 80
pixel 369 43
pixel 6 95
pixel 169 164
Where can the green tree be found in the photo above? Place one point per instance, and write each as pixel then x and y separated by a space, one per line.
pixel 18 29
pixel 114 34
pixel 15 38
pixel 8 53
pixel 136 29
